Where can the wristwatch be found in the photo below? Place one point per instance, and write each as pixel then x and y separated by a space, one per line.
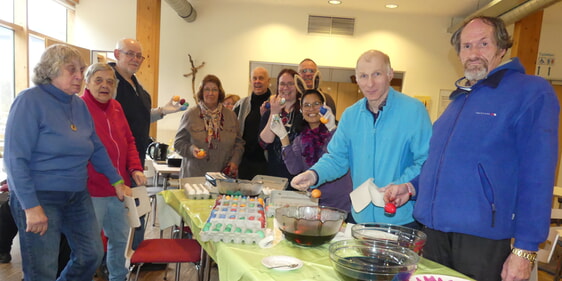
pixel 528 255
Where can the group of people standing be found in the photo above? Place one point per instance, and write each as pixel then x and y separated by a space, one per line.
pixel 478 182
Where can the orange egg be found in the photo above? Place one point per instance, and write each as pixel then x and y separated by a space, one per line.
pixel 201 153
pixel 176 98
pixel 316 193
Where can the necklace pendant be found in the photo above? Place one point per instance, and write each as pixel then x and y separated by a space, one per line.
pixel 73 127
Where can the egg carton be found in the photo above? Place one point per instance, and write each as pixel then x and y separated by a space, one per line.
pixel 235 219
pixel 285 198
pixel 198 188
pixel 231 233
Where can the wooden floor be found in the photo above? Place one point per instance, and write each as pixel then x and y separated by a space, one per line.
pixel 12 271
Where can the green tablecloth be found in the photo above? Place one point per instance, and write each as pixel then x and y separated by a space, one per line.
pixel 243 262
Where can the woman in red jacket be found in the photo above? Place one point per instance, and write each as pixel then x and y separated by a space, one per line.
pixel 113 130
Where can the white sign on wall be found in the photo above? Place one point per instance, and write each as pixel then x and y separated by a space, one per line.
pixel 545 62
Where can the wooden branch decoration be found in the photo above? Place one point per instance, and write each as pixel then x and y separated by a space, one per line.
pixel 193 72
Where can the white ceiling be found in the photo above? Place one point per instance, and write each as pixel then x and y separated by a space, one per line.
pixel 450 8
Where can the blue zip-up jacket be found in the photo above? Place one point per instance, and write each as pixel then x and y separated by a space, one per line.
pixel 42 153
pixel 390 150
pixel 490 169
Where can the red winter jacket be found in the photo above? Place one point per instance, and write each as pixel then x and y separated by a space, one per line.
pixel 114 132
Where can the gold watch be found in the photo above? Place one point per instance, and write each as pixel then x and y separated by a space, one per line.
pixel 528 255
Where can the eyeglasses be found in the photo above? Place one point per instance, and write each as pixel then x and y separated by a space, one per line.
pixel 307 70
pixel 131 54
pixel 315 104
pixel 210 89
pixel 283 84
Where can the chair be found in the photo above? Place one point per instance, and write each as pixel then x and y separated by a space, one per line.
pixel 152 190
pixel 156 250
pixel 547 249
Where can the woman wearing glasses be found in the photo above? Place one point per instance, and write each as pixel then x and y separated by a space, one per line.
pixel 209 136
pixel 311 142
pixel 284 107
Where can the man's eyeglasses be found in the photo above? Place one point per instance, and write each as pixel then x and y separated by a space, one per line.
pixel 307 70
pixel 315 104
pixel 131 54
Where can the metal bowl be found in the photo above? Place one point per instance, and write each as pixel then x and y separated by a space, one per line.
pixel 372 260
pixel 410 238
pixel 309 225
pixel 239 187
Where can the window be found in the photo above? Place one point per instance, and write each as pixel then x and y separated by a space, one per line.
pixel 6 76
pixel 7 10
pixel 48 18
pixel 36 48
pixel 22 45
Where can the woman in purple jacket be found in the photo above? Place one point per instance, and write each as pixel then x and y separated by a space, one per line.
pixel 311 143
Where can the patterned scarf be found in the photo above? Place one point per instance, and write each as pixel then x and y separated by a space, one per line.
pixel 213 120
pixel 313 141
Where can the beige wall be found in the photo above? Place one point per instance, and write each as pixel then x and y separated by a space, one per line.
pixel 228 37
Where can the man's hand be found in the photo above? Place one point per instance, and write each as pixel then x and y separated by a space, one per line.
pixel 397 194
pixel 36 220
pixel 172 107
pixel 516 268
pixel 304 180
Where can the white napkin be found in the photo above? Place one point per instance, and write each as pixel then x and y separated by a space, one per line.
pixel 368 192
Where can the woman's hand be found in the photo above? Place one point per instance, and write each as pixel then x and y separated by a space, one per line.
pixel 276 104
pixel 197 152
pixel 36 220
pixel 231 170
pixel 122 190
pixel 139 177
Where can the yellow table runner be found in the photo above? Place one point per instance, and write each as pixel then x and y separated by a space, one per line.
pixel 243 262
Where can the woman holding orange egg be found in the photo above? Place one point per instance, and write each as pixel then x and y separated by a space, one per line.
pixel 310 143
pixel 209 137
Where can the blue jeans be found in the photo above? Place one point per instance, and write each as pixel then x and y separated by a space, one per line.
pixel 112 217
pixel 71 213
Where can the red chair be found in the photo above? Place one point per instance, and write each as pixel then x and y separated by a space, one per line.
pixel 156 250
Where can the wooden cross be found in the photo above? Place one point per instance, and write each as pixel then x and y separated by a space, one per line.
pixel 193 72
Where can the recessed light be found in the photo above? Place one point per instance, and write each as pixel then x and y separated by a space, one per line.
pixel 391 6
pixel 334 2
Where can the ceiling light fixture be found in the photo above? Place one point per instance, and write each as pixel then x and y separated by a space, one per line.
pixel 335 2
pixel 391 6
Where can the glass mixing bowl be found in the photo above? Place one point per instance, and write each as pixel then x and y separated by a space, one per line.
pixel 372 260
pixel 389 233
pixel 309 225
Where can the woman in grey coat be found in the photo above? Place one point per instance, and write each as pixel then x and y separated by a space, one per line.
pixel 209 137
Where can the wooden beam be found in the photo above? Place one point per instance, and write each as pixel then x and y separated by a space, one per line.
pixel 148 34
pixel 526 38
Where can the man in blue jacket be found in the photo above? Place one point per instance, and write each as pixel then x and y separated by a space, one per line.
pixel 489 175
pixel 384 136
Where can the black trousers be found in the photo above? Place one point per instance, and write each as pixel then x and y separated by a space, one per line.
pixel 8 228
pixel 476 257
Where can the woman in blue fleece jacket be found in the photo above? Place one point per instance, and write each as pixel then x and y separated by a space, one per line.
pixel 50 137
